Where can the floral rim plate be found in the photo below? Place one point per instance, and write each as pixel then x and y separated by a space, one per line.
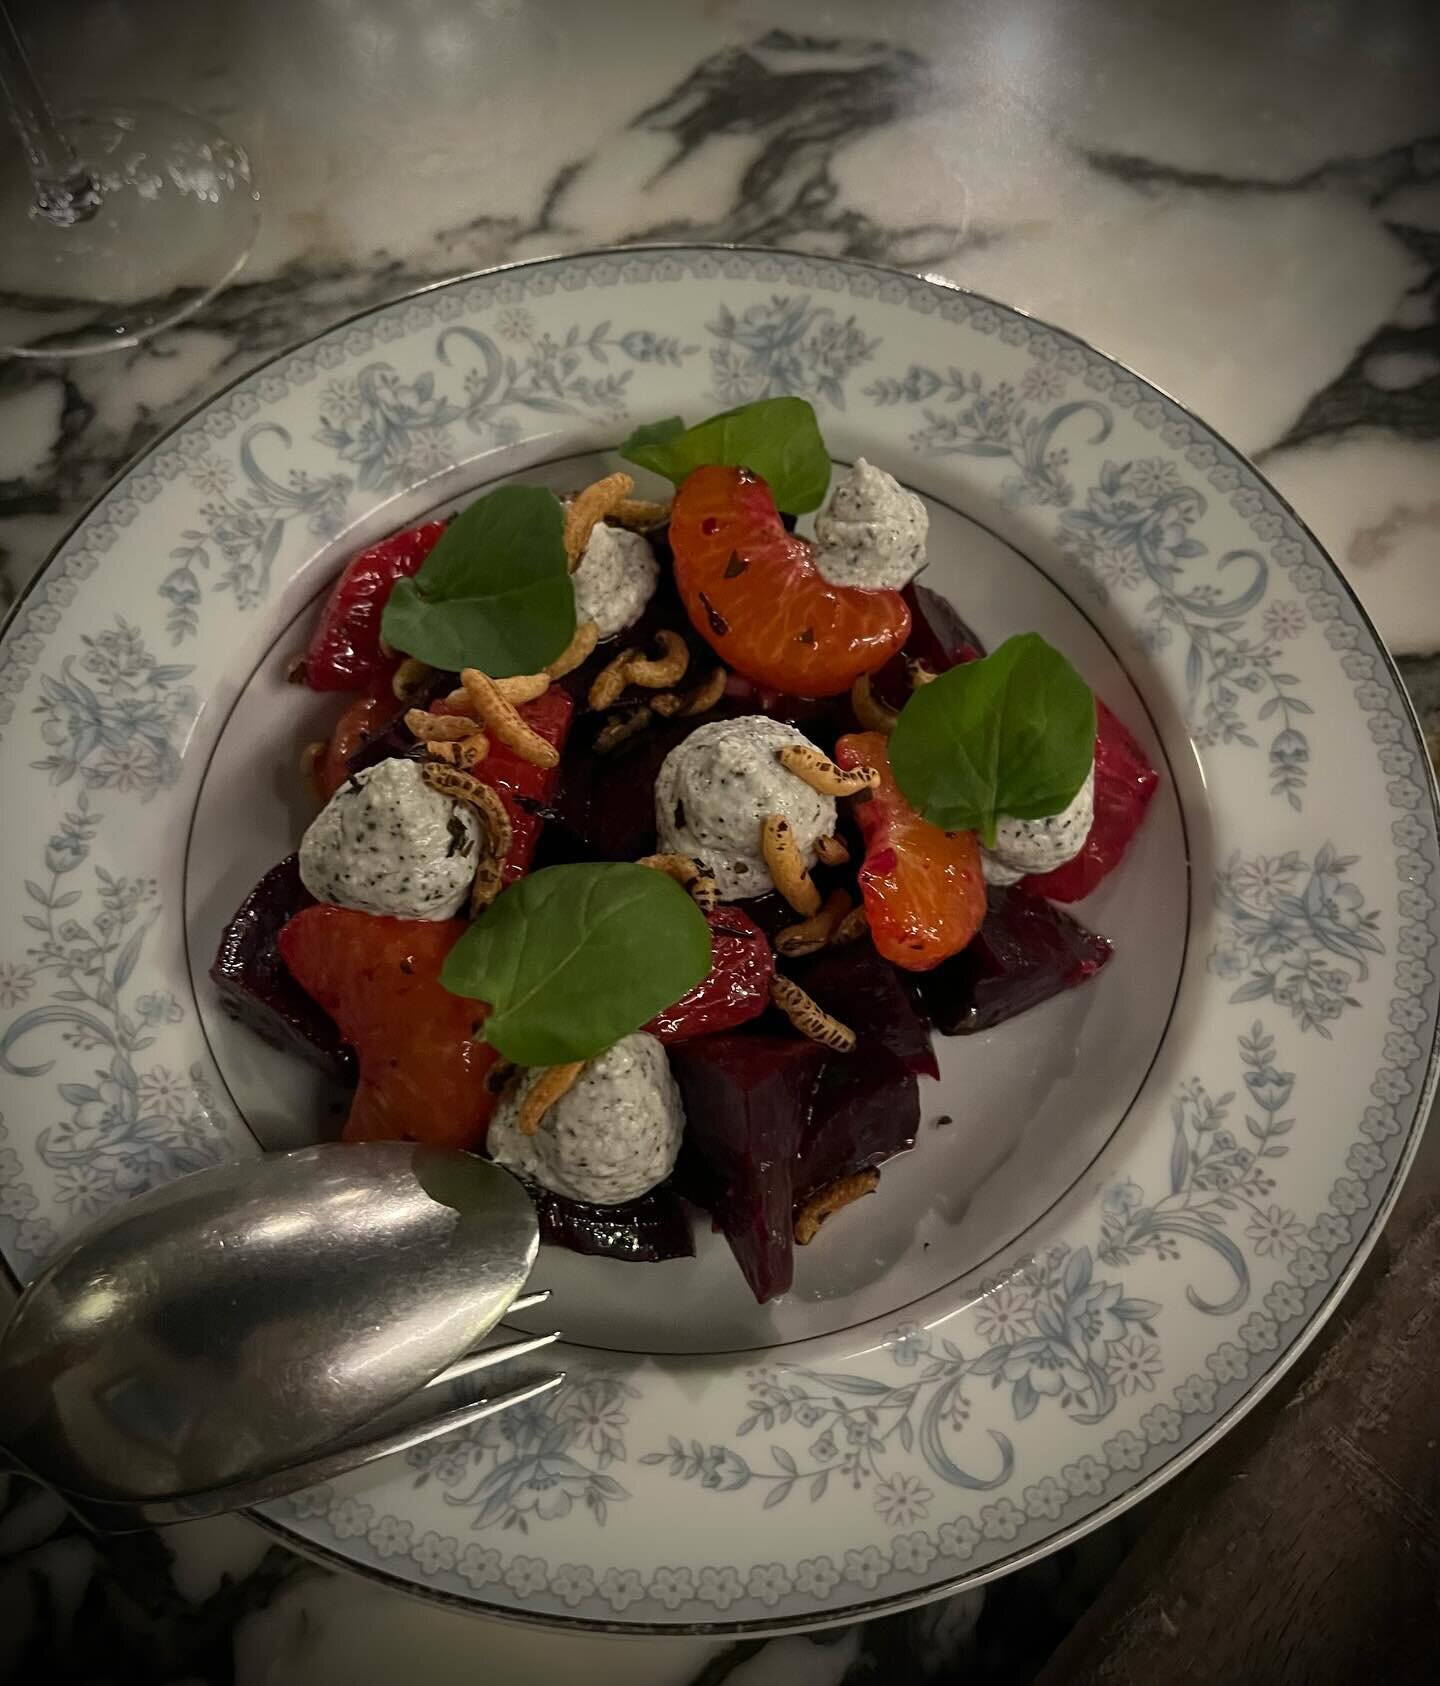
pixel 958 1422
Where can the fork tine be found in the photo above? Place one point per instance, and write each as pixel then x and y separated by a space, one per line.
pixel 447 1422
pixel 528 1302
pixel 354 1456
pixel 489 1356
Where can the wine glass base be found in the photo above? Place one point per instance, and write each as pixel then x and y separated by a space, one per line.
pixel 176 220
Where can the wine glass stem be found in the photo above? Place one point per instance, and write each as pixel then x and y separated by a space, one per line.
pixel 64 192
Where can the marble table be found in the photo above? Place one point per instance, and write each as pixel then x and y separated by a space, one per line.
pixel 1242 202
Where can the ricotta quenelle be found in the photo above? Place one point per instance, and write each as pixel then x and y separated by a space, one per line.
pixel 386 842
pixel 873 532
pixel 614 580
pixel 715 789
pixel 611 1137
pixel 1026 846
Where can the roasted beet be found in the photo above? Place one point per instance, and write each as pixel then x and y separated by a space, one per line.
pixel 866 1110
pixel 771 913
pixel 820 718
pixel 642 1231
pixel 747 1103
pixel 938 637
pixel 735 990
pixel 1124 783
pixel 861 989
pixel 1025 952
pixel 604 805
pixel 607 802
pixel 255 985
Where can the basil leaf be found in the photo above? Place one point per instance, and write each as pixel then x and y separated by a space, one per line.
pixel 572 958
pixel 494 593
pixel 1012 734
pixel 776 438
pixel 652 433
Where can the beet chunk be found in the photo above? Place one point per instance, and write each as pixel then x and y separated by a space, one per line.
pixel 771 912
pixel 867 1109
pixel 606 803
pixel 938 636
pixel 856 985
pixel 642 1231
pixel 747 1103
pixel 255 985
pixel 1026 951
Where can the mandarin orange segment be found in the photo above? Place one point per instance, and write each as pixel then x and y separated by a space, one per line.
pixel 754 594
pixel 923 888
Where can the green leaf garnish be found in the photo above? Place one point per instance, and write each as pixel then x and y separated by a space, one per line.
pixel 776 438
pixel 572 958
pixel 494 593
pixel 1011 734
pixel 652 433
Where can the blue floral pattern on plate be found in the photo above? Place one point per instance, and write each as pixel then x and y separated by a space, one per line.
pixel 786 346
pixel 130 1124
pixel 113 717
pixel 1298 933
pixel 536 1463
pixel 1003 1415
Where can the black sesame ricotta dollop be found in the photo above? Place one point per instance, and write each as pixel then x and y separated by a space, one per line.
pixel 387 843
pixel 614 580
pixel 1026 846
pixel 714 790
pixel 873 532
pixel 611 1137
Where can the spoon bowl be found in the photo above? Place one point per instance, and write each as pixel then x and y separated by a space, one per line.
pixel 240 1318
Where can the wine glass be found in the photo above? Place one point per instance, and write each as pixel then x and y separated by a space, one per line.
pixel 115 222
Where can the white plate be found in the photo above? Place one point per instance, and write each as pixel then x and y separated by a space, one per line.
pixel 1153 1189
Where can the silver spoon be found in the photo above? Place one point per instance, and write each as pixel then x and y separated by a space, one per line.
pixel 229 1337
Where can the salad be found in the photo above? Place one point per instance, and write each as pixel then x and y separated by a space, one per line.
pixel 653 840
